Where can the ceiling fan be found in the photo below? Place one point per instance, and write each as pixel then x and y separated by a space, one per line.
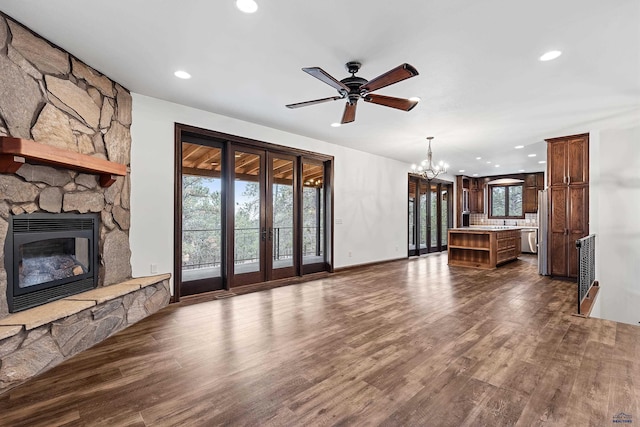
pixel 353 88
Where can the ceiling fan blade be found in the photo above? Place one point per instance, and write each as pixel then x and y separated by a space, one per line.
pixel 349 114
pixel 322 75
pixel 390 101
pixel 401 72
pixel 315 101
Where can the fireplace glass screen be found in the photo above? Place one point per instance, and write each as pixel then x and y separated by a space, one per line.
pixel 49 257
pixel 52 259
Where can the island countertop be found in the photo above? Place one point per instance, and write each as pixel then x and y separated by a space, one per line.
pixel 488 228
pixel 483 247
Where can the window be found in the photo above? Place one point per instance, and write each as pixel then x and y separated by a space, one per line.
pixel 506 201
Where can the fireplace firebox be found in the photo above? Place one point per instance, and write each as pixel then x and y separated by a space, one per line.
pixel 49 257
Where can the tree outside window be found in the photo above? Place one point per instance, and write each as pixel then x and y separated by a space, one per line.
pixel 506 201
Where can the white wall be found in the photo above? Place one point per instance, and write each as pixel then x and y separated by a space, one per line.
pixel 370 195
pixel 614 217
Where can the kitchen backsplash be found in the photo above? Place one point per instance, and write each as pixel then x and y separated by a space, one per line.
pixel 530 219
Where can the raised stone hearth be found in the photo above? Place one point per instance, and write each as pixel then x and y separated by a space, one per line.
pixel 37 339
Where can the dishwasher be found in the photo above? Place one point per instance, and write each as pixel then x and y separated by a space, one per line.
pixel 529 240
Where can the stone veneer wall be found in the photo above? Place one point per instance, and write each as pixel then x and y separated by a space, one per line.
pixel 51 97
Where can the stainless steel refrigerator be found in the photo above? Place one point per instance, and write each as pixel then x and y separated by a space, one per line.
pixel 543 232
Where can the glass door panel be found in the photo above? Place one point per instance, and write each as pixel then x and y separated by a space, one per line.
pixel 201 218
pixel 281 217
pixel 312 214
pixel 433 218
pixel 249 232
pixel 423 211
pixel 413 190
pixel 444 215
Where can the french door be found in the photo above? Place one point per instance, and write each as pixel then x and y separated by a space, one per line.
pixel 429 215
pixel 264 216
pixel 247 212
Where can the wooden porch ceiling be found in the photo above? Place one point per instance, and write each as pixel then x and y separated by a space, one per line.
pixel 202 160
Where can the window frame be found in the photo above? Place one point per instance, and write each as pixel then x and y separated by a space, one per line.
pixel 506 201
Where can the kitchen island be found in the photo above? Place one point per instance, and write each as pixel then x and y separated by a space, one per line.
pixel 483 247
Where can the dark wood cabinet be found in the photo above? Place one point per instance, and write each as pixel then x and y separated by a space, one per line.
pixel 479 195
pixel 476 195
pixel 533 182
pixel 568 173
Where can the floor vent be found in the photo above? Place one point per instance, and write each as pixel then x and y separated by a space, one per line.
pixel 225 295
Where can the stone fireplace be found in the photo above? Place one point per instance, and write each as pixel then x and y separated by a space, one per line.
pixel 55 102
pixel 52 98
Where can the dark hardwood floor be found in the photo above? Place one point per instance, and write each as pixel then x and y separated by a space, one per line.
pixel 412 343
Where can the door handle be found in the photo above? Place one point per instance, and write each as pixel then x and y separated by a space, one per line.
pixel 264 234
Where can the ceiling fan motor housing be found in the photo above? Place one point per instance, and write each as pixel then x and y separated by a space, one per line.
pixel 354 83
pixel 353 88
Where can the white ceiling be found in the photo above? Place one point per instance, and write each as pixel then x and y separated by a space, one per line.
pixel 483 89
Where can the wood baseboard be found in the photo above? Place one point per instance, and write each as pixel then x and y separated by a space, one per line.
pixel 587 305
pixel 365 265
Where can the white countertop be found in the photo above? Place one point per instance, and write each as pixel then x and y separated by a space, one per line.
pixel 504 227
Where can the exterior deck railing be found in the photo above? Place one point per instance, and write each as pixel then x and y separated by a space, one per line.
pixel 208 254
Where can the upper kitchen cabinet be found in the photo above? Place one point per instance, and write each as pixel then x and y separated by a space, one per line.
pixel 471 194
pixel 533 182
pixel 568 160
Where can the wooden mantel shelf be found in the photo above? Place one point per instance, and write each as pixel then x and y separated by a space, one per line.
pixel 15 151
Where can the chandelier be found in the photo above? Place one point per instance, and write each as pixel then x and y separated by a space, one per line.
pixel 427 169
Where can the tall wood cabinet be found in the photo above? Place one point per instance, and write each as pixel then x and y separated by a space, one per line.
pixel 568 178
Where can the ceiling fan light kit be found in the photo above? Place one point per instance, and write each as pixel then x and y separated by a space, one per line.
pixel 355 88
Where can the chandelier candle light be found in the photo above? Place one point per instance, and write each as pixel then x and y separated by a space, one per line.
pixel 427 169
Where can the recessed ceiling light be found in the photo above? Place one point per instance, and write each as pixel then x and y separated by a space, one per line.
pixel 542 161
pixel 552 54
pixel 247 6
pixel 517 147
pixel 475 174
pixel 488 161
pixel 521 170
pixel 335 125
pixel 478 158
pixel 461 170
pixel 531 155
pixel 414 99
pixel 497 166
pixel 182 74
